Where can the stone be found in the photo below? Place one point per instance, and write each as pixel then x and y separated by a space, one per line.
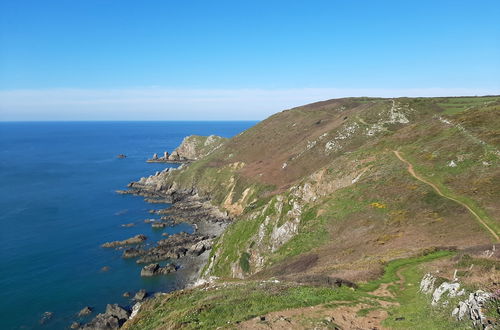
pixel 427 283
pixel 105 269
pixel 87 310
pixel 159 225
pixel 46 317
pixel 133 240
pixel 133 252
pixel 117 311
pixel 126 294
pixel 135 310
pixel 155 269
pixel 445 287
pixel 104 322
pixel 150 270
pixel 200 247
pixel 472 308
pixel 121 156
pixel 74 325
pixel 128 225
pixel 140 295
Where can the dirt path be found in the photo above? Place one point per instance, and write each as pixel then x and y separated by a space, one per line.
pixel 416 176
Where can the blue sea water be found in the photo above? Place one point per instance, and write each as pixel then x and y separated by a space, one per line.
pixel 58 205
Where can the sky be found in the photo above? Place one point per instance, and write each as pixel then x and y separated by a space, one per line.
pixel 236 60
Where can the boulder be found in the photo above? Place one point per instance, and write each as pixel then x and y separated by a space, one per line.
pixel 150 270
pixel 85 311
pixel 200 247
pixel 104 322
pixel 117 311
pixel 155 269
pixel 451 289
pixel 140 295
pixel 74 325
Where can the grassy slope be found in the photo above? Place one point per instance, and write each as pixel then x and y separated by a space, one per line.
pixel 227 304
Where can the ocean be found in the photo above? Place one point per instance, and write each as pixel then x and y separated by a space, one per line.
pixel 58 205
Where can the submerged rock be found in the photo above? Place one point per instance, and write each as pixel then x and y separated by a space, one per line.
pixel 159 225
pixel 46 317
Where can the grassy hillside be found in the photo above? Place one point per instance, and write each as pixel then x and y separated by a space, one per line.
pixel 318 190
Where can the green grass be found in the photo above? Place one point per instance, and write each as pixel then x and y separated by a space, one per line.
pixel 414 310
pixel 209 309
pixel 237 301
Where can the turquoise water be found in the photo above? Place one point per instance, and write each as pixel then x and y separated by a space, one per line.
pixel 58 205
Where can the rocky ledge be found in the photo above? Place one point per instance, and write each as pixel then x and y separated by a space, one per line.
pixel 177 246
pixel 156 269
pixel 113 318
pixel 130 241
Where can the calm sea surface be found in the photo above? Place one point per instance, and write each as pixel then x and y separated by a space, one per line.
pixel 58 205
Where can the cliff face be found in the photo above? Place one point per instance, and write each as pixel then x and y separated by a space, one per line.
pixel 195 147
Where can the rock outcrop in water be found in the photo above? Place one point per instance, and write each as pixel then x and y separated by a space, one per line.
pixel 113 318
pixel 130 241
pixel 156 269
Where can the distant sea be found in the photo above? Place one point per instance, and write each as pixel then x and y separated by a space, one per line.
pixel 58 205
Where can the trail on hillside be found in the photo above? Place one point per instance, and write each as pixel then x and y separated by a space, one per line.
pixel 419 178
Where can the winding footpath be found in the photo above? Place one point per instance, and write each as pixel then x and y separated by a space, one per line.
pixel 419 178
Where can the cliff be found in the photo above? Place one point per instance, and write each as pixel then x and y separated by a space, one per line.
pixel 340 189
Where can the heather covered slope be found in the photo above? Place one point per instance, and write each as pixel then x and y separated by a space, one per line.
pixel 319 191
pixel 322 180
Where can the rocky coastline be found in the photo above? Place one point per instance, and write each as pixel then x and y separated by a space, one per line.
pixel 190 251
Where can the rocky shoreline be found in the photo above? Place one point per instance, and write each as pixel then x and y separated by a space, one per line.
pixel 190 251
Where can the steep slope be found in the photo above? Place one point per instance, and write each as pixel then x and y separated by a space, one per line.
pixel 319 191
pixel 323 179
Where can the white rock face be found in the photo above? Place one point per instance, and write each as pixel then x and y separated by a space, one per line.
pixel 427 283
pixel 135 310
pixel 452 164
pixel 472 308
pixel 468 309
pixel 452 289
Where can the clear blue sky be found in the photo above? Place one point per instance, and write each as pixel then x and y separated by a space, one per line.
pixel 100 47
